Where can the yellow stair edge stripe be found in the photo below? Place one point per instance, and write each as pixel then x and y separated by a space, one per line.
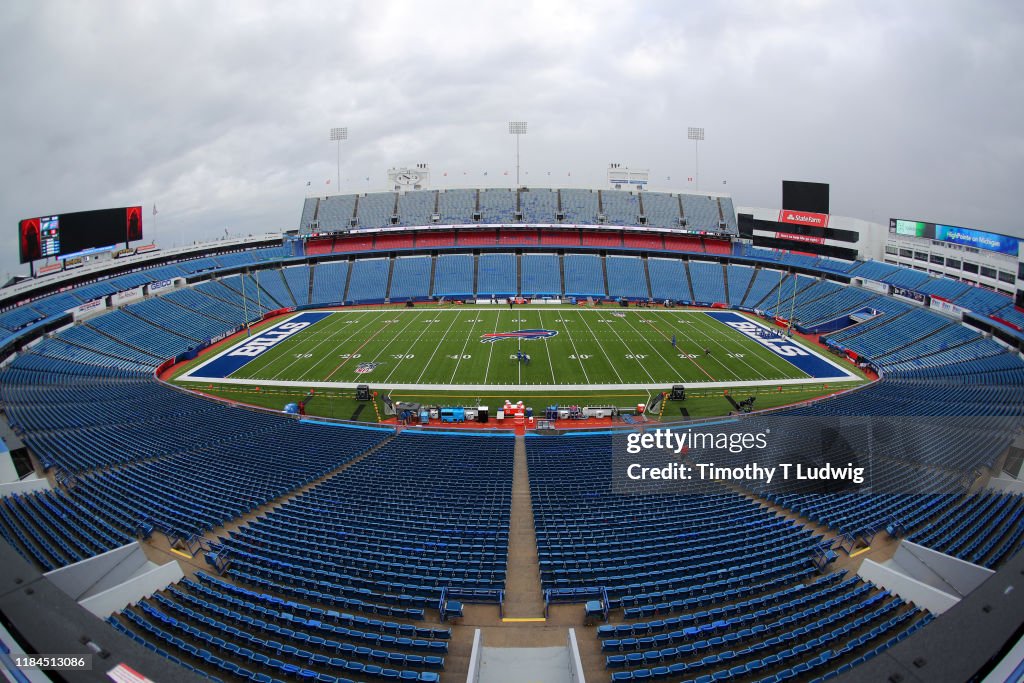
pixel 861 551
pixel 521 620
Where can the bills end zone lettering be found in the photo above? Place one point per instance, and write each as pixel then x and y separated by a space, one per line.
pixel 261 343
pixel 803 359
pixel 230 361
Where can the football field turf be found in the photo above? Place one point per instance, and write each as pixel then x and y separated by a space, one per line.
pixel 477 346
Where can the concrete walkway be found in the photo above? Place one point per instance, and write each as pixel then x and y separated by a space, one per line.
pixel 523 596
pixel 524 665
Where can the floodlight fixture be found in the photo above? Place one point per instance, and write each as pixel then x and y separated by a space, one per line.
pixel 695 134
pixel 517 128
pixel 337 135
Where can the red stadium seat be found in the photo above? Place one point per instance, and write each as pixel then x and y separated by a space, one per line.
pixel 565 238
pixel 723 247
pixel 683 243
pixel 474 238
pixel 518 237
pixel 394 242
pixel 322 245
pixel 435 239
pixel 642 241
pixel 602 239
pixel 358 243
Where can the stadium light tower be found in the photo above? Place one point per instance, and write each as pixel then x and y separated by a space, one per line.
pixel 517 128
pixel 337 135
pixel 695 134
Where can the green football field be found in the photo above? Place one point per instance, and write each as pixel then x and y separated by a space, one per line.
pixel 428 347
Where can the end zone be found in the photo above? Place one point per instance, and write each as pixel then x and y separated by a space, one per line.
pixel 224 364
pixel 797 355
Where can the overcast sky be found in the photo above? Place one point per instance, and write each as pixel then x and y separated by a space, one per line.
pixel 219 112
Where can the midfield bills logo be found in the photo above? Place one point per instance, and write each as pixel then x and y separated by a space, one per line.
pixel 492 337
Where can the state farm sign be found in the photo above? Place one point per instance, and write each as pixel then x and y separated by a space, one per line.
pixel 818 220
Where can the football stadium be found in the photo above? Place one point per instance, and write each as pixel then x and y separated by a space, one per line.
pixel 434 433
pixel 463 397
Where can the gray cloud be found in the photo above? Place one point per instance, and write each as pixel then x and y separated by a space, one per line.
pixel 219 112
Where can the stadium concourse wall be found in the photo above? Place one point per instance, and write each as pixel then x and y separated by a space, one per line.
pixel 919 568
pixel 108 582
pixel 41 617
pixel 10 482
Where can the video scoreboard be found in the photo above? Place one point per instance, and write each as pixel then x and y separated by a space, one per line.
pixel 968 237
pixel 49 233
pixel 70 234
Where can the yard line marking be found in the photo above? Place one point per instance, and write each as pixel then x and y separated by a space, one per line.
pixel 328 337
pixel 655 348
pixel 414 315
pixel 603 350
pixel 311 371
pixel 675 319
pixel 699 331
pixel 519 348
pixel 262 362
pixel 476 388
pixel 411 346
pixel 575 351
pixel 490 351
pixel 455 319
pixel 266 362
pixel 554 380
pixel 638 361
pixel 728 341
pixel 345 360
pixel 464 345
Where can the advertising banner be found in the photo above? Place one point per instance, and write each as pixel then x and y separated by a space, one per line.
pixel 818 220
pixel 88 308
pixel 946 307
pixel 979 239
pixel 911 228
pixel 127 295
pixel 874 286
pixel 911 295
pixel 160 286
pixel 810 239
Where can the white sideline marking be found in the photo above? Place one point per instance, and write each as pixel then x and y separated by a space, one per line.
pixel 530 387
